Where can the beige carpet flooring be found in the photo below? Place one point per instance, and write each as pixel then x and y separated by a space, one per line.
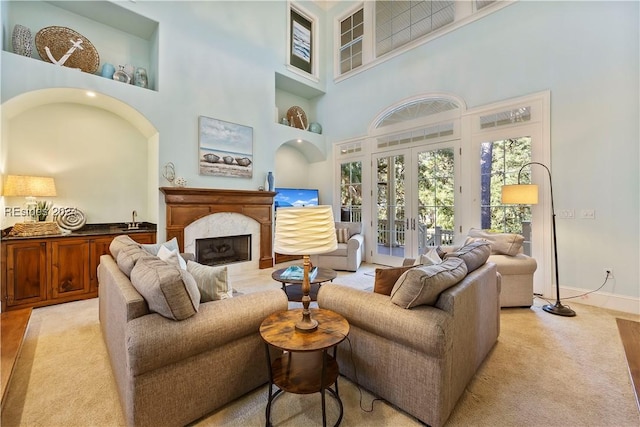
pixel 545 370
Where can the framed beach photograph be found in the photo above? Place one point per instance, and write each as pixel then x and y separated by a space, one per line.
pixel 301 42
pixel 225 148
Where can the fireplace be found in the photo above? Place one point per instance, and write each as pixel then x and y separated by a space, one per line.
pixel 223 250
pixel 188 205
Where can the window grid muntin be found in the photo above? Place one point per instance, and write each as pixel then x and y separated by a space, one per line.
pixel 351 191
pixel 507 157
pixel 482 3
pixel 416 136
pixel 436 196
pixel 509 117
pixel 415 109
pixel 351 36
pixel 350 148
pixel 399 22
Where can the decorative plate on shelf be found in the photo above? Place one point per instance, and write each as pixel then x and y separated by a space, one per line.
pixel 64 46
pixel 297 118
pixel 71 219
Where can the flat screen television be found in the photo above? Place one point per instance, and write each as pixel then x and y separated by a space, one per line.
pixel 298 197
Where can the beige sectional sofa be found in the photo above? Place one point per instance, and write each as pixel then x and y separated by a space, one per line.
pixel 421 358
pixel 170 372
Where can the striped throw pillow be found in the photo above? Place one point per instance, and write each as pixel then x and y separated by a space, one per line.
pixel 342 234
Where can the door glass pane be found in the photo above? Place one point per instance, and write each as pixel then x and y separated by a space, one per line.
pixel 390 201
pixel 500 162
pixel 351 191
pixel 435 198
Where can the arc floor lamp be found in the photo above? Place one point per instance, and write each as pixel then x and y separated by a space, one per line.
pixel 527 194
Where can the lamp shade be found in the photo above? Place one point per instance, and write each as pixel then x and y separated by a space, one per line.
pixel 305 231
pixel 26 186
pixel 520 194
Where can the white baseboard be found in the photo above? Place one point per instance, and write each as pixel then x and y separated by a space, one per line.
pixel 601 299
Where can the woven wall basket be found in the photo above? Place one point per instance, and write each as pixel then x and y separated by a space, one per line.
pixel 59 41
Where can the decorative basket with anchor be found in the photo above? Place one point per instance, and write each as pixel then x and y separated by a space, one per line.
pixel 64 46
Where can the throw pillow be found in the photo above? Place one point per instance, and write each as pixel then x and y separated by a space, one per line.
pixel 153 248
pixel 501 243
pixel 128 256
pixel 387 277
pixel 119 243
pixel 474 254
pixel 353 227
pixel 430 258
pixel 423 285
pixel 342 234
pixel 212 282
pixel 167 289
pixel 172 257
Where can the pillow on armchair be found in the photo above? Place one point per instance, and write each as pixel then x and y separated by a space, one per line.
pixel 501 243
pixel 352 227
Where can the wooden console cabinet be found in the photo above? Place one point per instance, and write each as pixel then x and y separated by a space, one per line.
pixel 49 270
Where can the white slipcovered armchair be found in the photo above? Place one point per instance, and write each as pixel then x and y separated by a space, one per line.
pixel 350 250
pixel 515 267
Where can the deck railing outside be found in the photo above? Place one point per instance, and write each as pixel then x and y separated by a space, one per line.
pixel 427 237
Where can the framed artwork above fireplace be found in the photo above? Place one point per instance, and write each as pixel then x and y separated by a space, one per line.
pixel 225 148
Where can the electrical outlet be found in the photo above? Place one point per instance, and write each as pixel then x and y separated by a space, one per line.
pixel 608 273
pixel 588 214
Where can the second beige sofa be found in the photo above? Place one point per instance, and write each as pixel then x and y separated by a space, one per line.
pixel 419 359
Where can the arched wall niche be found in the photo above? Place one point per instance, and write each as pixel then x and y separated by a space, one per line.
pixel 292 160
pixel 102 152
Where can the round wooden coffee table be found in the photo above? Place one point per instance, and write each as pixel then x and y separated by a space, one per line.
pixel 304 366
pixel 293 288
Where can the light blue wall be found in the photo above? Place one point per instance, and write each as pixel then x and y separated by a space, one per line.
pixel 586 54
pixel 219 59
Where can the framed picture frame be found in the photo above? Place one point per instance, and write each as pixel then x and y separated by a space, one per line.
pixel 301 41
pixel 224 148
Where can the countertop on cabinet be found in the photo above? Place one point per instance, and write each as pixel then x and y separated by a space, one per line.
pixel 114 229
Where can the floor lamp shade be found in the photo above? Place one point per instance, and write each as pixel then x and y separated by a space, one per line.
pixel 305 231
pixel 520 194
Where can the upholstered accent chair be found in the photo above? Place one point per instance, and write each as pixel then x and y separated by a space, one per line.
pixel 514 266
pixel 350 250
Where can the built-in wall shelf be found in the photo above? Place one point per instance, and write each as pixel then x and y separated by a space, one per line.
pixel 291 92
pixel 311 144
pixel 296 87
pixel 29 75
pixel 120 36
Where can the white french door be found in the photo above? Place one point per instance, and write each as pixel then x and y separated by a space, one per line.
pixel 413 209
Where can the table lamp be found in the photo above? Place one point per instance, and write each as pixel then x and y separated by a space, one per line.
pixel 29 187
pixel 527 194
pixel 305 231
